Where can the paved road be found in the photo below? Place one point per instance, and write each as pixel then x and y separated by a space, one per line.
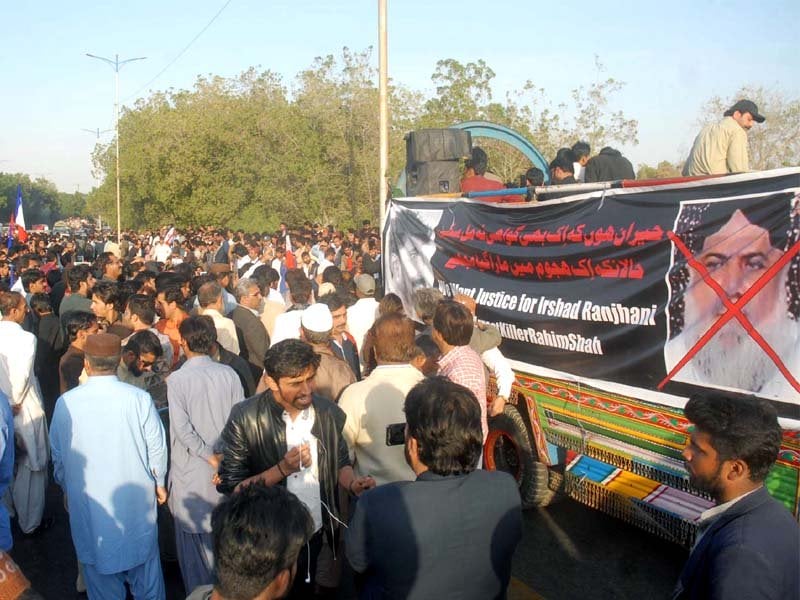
pixel 567 551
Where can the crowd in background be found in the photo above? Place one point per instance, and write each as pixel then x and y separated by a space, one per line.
pixel 178 367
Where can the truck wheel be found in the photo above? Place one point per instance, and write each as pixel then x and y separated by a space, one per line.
pixel 508 448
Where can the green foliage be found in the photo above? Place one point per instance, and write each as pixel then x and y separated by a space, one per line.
pixel 251 151
pixel 775 142
pixel 663 170
pixel 40 198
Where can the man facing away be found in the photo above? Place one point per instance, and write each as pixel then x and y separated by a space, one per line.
pixel 748 545
pixel 273 525
pixel 18 382
pixel 201 395
pixel 721 147
pixel 407 550
pixel 376 402
pixel 110 458
pixel 452 330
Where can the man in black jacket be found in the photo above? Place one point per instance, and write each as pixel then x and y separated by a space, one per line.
pixel 453 531
pixel 609 165
pixel 289 436
pixel 748 546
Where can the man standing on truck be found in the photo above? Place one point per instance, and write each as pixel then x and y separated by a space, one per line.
pixel 748 546
pixel 721 147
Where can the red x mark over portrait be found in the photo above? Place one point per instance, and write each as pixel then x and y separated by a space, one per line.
pixel 734 310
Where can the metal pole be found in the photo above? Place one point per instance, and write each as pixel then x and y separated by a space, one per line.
pixel 116 135
pixel 383 87
pixel 116 64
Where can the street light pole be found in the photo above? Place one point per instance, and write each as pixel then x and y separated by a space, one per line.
pixel 383 91
pixel 116 64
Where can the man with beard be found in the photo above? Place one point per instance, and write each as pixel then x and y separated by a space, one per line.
pixel 291 437
pixel 735 255
pixel 748 546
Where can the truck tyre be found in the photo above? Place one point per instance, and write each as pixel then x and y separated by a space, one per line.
pixel 508 448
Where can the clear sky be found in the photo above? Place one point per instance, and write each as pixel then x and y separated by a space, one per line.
pixel 672 55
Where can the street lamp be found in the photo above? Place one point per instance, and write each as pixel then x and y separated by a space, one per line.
pixel 116 64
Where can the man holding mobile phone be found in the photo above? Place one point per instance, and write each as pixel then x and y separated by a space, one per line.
pixel 374 406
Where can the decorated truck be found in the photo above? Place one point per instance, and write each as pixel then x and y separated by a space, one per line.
pixel 615 305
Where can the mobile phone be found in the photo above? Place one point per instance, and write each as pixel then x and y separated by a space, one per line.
pixel 396 434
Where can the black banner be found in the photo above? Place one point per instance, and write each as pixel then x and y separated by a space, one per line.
pixel 661 289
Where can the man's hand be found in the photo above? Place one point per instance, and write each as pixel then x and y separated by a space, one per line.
pixel 361 484
pixel 16 409
pixel 497 405
pixel 161 494
pixel 297 458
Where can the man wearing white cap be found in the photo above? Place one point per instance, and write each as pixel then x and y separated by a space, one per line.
pixel 333 374
pixel 361 315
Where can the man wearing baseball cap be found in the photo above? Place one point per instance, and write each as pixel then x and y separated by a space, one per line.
pixel 722 147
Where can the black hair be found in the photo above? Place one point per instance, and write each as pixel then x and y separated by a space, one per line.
pixel 478 161
pixel 289 358
pixel 172 294
pixel 30 276
pixel 581 149
pixel 445 420
pixel 333 301
pixel 453 322
pixel 535 176
pixel 77 320
pixel 168 279
pixel 740 428
pixel 144 342
pixel 564 160
pixel 110 292
pixel 300 289
pixel 196 332
pixel 200 280
pixel 40 303
pixel 332 275
pixel 76 275
pixel 143 307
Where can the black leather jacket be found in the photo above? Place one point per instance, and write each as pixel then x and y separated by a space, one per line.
pixel 254 439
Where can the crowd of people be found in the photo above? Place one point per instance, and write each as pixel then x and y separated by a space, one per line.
pixel 189 367
pixel 718 149
pixel 297 423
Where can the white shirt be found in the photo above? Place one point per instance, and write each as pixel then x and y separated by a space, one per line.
pixel 305 483
pixel 226 330
pixel 275 296
pixel 287 326
pixel 162 252
pixel 360 318
pixel 580 172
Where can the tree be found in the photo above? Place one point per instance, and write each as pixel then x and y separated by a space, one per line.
pixel 40 198
pixel 773 143
pixel 463 93
pixel 663 170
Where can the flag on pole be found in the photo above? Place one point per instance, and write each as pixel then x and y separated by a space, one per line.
pixel 170 236
pixel 12 227
pixel 291 261
pixel 19 219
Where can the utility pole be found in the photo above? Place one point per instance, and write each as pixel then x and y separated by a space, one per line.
pixel 116 64
pixel 383 88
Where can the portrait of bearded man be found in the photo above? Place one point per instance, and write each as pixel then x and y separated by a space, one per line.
pixel 737 242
